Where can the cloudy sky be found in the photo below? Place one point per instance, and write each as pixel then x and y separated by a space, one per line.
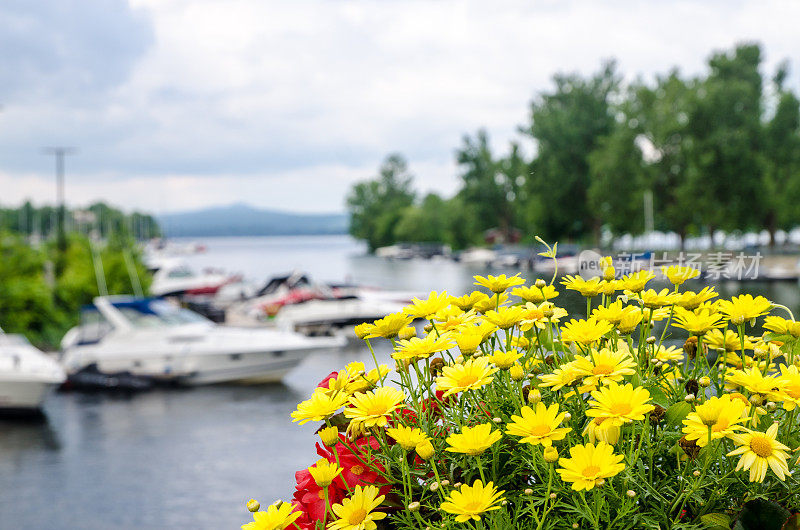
pixel 178 104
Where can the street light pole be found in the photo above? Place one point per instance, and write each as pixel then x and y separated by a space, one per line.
pixel 60 153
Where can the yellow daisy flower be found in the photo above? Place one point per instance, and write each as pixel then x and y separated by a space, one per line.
pixel 729 340
pixel 760 450
pixel 697 322
pixel 498 284
pixel 474 373
pixel 425 308
pixel 540 427
pixel 631 318
pixel 620 404
pixel 599 430
pixel 678 274
pixel 743 308
pixel 636 281
pixel 277 517
pixel 389 326
pixel 668 354
pixel 356 512
pixel 468 338
pixel 323 472
pixel 612 313
pixel 535 295
pixel 505 317
pixel 468 301
pixel 719 414
pixel 602 367
pixel 584 331
pixel 653 300
pixel 505 359
pixel 691 300
pixel 782 326
pixel 566 375
pixel 370 409
pixel 471 501
pixel 473 440
pixel 790 375
pixel 362 330
pixel 588 465
pixel 756 382
pixel 588 288
pixel 490 302
pixel 320 406
pixel 454 318
pixel 408 437
pixel 417 348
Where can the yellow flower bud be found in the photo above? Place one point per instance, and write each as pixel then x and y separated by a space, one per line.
pixel 704 381
pixel 609 273
pixel 329 436
pixel 253 505
pixel 413 507
pixel 534 396
pixel 540 283
pixel 362 330
pixel 425 450
pixel 517 373
pixel 406 333
pixel 550 454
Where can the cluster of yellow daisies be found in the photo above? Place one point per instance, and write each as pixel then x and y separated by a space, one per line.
pixel 667 407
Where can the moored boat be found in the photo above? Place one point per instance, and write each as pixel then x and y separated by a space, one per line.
pixel 26 374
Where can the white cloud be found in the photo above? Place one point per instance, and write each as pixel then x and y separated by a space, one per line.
pixel 285 104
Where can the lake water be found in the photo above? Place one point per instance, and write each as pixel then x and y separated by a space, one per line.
pixel 190 458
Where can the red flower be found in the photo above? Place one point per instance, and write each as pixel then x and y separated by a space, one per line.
pixel 311 498
pixel 357 467
pixel 324 382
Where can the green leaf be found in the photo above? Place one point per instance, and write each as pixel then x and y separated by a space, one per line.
pixel 716 520
pixel 761 514
pixel 677 412
pixel 658 396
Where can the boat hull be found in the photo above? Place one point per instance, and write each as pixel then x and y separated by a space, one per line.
pixel 23 395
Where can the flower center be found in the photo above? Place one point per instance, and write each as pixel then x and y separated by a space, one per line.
pixel 541 430
pixel 761 445
pixel 621 409
pixel 591 471
pixel 719 426
pixel 474 506
pixel 357 516
pixel 357 469
pixel 602 369
pixel 466 380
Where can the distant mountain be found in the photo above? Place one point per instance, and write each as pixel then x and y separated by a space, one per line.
pixel 244 220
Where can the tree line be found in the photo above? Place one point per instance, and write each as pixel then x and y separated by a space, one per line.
pixel 719 150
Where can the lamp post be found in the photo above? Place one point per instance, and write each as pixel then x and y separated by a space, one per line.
pixel 60 153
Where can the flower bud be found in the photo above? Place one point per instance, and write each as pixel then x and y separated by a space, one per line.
pixel 540 283
pixel 771 406
pixel 609 273
pixel 630 493
pixel 599 482
pixel 428 328
pixel 445 482
pixel 434 486
pixel 504 503
pixel 651 340
pixel 695 473
pixel 553 496
pixel 689 398
pixel 567 416
pixel 329 436
pixel 548 312
pixel 704 381
pixel 528 491
pixel 253 505
pixel 413 507
pixel 425 450
pixel 550 454
pixel 756 399
pixel 497 420
pixel 517 373
pixel 362 330
pixel 575 525
pixel 534 396
pixel 407 332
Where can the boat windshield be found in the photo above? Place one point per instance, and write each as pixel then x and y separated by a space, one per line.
pixel 157 313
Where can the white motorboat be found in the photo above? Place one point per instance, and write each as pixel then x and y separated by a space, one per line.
pixel 295 302
pixel 154 339
pixel 172 277
pixel 26 374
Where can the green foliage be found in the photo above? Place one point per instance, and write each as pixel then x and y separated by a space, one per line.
pixel 377 205
pixel 714 151
pixel 41 305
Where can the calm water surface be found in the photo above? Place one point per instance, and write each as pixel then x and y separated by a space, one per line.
pixel 190 458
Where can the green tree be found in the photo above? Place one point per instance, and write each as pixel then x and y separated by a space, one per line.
pixel 726 131
pixel 376 205
pixel 567 125
pixel 781 177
